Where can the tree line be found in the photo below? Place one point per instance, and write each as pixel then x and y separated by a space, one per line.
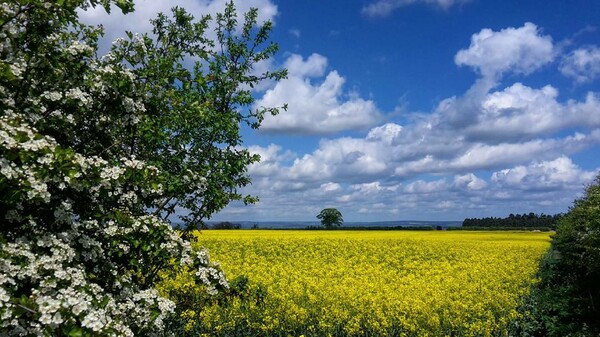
pixel 524 220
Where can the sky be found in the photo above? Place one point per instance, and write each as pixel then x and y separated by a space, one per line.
pixel 417 109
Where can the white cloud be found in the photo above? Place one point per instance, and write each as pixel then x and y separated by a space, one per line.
pixel 372 187
pixel 515 114
pixel 468 156
pixel 446 204
pixel 344 198
pixel 314 66
pixel 423 164
pixel 116 23
pixel 386 133
pixel 560 174
pixel 585 113
pixel 482 156
pixel 381 8
pixel 344 158
pixel 315 108
pixel 470 182
pixel 520 112
pixel 426 187
pixel 330 187
pixel 295 32
pixel 582 65
pixel 271 158
pixel 519 50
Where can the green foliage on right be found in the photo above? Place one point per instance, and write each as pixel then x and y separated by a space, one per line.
pixel 566 302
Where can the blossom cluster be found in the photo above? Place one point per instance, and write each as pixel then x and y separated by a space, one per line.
pixel 65 270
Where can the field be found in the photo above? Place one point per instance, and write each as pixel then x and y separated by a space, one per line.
pixel 371 283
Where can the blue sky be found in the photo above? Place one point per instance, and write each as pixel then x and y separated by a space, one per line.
pixel 419 109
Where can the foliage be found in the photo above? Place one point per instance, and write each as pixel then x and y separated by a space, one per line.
pixel 330 217
pixel 372 283
pixel 515 221
pixel 89 145
pixel 191 125
pixel 565 302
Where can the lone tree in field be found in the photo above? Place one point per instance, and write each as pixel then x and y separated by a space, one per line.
pixel 330 217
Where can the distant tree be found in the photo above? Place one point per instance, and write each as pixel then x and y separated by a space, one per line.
pixel 226 225
pixel 330 217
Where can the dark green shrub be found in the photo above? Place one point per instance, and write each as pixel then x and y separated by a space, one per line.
pixel 566 301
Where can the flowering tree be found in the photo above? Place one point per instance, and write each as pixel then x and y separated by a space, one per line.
pixel 97 153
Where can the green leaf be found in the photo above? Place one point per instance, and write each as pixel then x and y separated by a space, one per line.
pixel 76 332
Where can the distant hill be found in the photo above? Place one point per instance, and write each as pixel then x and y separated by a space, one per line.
pixel 304 224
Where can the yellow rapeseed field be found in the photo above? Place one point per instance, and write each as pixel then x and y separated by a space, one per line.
pixel 370 283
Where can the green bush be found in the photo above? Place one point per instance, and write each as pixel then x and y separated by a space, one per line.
pixel 566 301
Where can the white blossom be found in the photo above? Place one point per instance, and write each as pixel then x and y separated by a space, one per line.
pixel 52 96
pixel 78 47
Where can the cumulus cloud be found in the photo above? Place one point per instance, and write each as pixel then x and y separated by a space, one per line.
pixel 386 133
pixel 381 8
pixel 116 23
pixel 426 187
pixel 372 187
pixel 519 50
pixel 483 156
pixel 314 66
pixel 344 158
pixel 330 187
pixel 517 113
pixel 271 158
pixel 315 107
pixel 560 174
pixel 516 110
pixel 520 112
pixel 470 182
pixel 582 65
